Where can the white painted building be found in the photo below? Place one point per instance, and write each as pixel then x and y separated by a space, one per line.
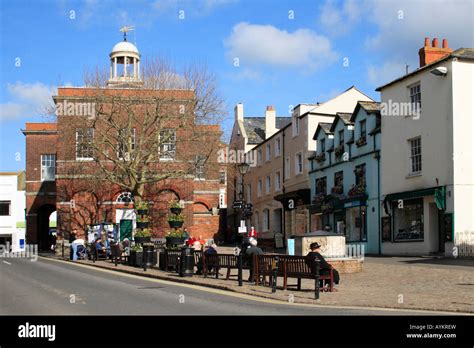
pixel 428 159
pixel 12 205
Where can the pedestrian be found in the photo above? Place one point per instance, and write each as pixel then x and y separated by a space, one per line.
pixel 252 233
pixel 324 266
pixel 72 238
pixel 252 250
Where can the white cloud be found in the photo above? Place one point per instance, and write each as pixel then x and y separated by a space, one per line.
pixel 266 44
pixel 337 20
pixel 378 75
pixel 403 25
pixel 26 100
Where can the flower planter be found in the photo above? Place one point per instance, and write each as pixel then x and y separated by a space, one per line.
pixel 176 210
pixel 142 224
pixel 142 211
pixel 176 224
pixel 141 240
pixel 170 241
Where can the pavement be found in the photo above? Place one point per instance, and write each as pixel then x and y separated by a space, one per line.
pixel 402 283
pixel 54 287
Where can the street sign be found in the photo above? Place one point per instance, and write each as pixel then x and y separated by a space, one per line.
pixel 242 228
pixel 237 204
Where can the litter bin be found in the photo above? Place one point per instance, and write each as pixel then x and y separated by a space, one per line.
pixel 186 262
pixel 149 255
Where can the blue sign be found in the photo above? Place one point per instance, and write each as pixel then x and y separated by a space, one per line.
pixel 353 204
pixel 22 244
pixel 291 246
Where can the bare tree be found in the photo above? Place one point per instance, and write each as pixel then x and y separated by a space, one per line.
pixel 168 128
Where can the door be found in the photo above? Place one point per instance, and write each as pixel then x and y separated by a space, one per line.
pixel 126 228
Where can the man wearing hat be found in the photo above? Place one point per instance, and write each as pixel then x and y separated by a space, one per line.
pixel 324 266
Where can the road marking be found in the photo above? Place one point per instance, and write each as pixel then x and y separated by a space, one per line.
pixel 255 298
pixel 8 263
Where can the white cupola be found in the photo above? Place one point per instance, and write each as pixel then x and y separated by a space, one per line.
pixel 125 63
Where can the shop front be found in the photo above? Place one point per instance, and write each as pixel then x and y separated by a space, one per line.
pixel 296 212
pixel 415 222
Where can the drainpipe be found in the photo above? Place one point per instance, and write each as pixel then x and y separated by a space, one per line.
pixel 283 214
pixel 379 222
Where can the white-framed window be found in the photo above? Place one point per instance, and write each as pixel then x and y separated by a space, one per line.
pixel 415 97
pixel 299 163
pixel 296 126
pixel 266 219
pixel 268 184
pixel 84 143
pixel 277 181
pixel 123 143
pixel 415 155
pixel 48 167
pixel 268 153
pixel 200 167
pixel 322 145
pixel 5 208
pixel 259 156
pixel 167 144
pixel 287 168
pixel 256 221
pixel 223 177
pixel 277 147
pixel 259 187
pixel 249 193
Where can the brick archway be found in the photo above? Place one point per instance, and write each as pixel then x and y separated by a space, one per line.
pixel 44 238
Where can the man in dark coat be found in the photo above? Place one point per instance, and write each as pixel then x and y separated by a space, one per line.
pixel 324 266
pixel 252 250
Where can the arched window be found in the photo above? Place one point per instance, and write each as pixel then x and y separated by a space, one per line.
pixel 125 197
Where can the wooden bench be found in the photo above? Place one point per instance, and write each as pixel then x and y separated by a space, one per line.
pixel 117 254
pixel 97 254
pixel 217 261
pixel 291 267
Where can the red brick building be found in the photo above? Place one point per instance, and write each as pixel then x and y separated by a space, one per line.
pixel 67 174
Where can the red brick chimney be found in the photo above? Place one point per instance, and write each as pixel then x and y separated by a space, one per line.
pixel 429 54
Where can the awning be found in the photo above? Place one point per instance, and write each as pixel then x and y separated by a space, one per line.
pixel 294 198
pixel 438 192
pixel 410 194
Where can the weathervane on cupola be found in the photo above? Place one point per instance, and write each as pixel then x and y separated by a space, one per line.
pixel 125 63
pixel 125 30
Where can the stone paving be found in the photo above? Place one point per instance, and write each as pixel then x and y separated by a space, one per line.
pixel 385 282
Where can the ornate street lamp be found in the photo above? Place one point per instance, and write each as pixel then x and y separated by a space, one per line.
pixel 243 169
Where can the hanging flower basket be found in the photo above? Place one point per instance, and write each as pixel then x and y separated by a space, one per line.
pixel 176 210
pixel 142 224
pixel 337 190
pixel 338 151
pixel 361 141
pixel 321 157
pixel 175 224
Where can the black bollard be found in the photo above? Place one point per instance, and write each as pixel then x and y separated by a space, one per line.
pixel 240 269
pixel 316 279
pixel 275 266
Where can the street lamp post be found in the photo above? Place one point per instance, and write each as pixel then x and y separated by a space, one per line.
pixel 243 169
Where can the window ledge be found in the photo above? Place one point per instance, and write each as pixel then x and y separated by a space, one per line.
pixel 413 175
pixel 84 159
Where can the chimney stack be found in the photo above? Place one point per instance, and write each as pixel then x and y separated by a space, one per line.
pixel 270 121
pixel 239 112
pixel 428 54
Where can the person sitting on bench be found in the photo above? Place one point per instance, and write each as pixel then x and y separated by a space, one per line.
pixel 324 266
pixel 249 253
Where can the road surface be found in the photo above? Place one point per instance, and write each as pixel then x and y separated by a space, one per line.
pixel 51 287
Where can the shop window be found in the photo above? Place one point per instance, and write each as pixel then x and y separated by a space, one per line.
pixel 5 208
pixel 408 220
pixel 356 224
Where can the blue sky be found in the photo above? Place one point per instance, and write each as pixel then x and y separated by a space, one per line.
pixel 289 52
